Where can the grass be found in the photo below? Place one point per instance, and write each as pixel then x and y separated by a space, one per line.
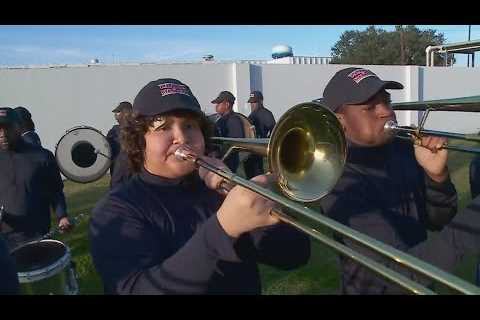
pixel 319 276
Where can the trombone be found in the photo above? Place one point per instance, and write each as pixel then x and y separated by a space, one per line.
pixel 466 104
pixel 307 151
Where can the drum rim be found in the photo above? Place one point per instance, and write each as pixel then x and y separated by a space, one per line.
pixel 51 270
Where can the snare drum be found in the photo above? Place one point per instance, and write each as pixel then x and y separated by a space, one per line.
pixel 44 267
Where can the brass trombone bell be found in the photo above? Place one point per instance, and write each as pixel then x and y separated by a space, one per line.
pixel 307 151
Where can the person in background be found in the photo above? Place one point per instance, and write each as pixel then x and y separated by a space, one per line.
pixel 119 171
pixel 229 125
pixel 30 185
pixel 27 127
pixel 264 122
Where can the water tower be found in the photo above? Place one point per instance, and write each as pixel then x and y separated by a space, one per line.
pixel 282 51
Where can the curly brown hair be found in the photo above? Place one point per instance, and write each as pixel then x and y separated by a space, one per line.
pixel 134 126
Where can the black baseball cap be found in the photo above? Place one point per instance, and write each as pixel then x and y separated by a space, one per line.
pixel 7 115
pixel 165 95
pixel 123 106
pixel 354 86
pixel 224 96
pixel 255 96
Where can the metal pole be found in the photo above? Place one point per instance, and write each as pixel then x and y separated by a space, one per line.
pixel 468 56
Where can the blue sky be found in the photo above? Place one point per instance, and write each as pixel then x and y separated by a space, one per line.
pixel 36 45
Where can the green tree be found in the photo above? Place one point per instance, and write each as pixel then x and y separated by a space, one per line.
pixel 404 46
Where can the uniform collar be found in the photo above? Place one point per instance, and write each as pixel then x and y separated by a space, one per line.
pixel 370 156
pixel 228 114
pixel 162 181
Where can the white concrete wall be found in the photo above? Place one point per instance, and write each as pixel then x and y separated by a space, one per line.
pixel 443 83
pixel 61 98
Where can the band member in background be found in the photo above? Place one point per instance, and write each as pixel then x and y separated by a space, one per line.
pixel 263 121
pixel 8 273
pixel 27 127
pixel 30 185
pixel 119 168
pixel 229 125
pixel 29 136
pixel 390 190
pixel 167 230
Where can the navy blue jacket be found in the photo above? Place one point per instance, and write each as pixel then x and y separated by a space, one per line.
pixel 119 171
pixel 32 137
pixel 230 126
pixel 30 186
pixel 385 194
pixel 263 121
pixel 160 236
pixel 8 274
pixel 58 200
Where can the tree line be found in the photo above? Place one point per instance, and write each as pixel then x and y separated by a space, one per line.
pixel 404 46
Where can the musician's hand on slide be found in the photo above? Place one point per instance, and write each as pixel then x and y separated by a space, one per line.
pixel 244 210
pixel 213 180
pixel 431 155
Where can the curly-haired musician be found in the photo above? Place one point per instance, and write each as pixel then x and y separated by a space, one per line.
pixel 30 185
pixel 167 230
pixel 389 190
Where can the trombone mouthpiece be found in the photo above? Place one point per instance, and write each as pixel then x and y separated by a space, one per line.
pixel 390 126
pixel 184 153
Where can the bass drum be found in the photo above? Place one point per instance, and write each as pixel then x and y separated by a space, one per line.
pixel 83 154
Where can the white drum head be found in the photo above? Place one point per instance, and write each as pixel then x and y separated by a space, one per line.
pixel 83 154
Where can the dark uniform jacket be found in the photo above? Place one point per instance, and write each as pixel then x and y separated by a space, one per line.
pixel 32 138
pixel 230 126
pixel 30 185
pixel 8 273
pixel 119 171
pixel 263 121
pixel 160 236
pixel 385 194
